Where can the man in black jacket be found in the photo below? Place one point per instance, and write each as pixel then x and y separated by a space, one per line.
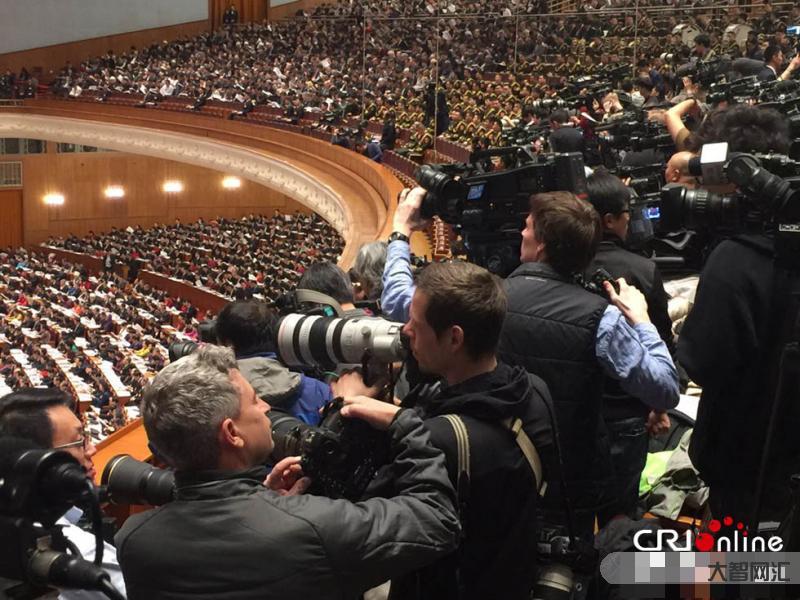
pixel 456 315
pixel 227 535
pixel 564 137
pixel 574 340
pixel 730 345
pixel 628 419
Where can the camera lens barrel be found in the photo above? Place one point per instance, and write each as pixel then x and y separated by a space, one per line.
pixel 554 583
pixel 312 340
pixel 130 481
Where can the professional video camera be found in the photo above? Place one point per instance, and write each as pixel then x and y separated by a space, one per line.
pixel 36 488
pixel 488 208
pixel 636 134
pixel 763 201
pixel 706 72
pixel 341 455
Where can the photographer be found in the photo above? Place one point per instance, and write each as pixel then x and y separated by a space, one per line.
pixel 729 342
pixel 329 279
pixel 367 271
pixel 229 535
pixel 627 419
pixel 398 279
pixel 564 137
pixel 456 315
pixel 44 417
pixel 574 340
pixel 248 327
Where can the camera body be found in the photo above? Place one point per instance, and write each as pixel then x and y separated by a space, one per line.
pixel 341 455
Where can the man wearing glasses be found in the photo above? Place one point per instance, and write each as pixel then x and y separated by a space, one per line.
pixel 45 418
pixel 629 421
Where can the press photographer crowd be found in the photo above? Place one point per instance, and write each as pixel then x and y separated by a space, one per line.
pixel 492 425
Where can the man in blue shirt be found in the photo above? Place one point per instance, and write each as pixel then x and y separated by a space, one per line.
pixel 569 337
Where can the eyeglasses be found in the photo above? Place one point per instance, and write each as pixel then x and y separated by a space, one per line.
pixel 81 443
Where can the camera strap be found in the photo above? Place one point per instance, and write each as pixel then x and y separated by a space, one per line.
pixel 529 451
pixel 520 437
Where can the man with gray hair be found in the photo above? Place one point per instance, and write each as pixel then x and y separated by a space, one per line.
pixel 230 535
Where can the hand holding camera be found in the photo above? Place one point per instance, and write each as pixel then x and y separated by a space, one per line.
pixel 375 412
pixel 407 217
pixel 286 477
pixel 629 300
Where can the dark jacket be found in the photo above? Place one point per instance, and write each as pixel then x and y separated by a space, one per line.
pixel 226 536
pixel 643 274
pixel 567 139
pixel 295 393
pixel 728 345
pixel 497 558
pixel 388 135
pixel 551 330
pixel 767 74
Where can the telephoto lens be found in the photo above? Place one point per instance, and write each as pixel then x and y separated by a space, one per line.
pixel 311 340
pixel 130 481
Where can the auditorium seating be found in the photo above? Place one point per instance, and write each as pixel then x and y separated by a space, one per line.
pixel 97 337
pixel 255 255
pixel 493 58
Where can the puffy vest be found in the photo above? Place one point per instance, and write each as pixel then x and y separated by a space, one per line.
pixel 550 330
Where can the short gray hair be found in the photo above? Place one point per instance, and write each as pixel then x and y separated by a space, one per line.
pixel 186 403
pixel 368 268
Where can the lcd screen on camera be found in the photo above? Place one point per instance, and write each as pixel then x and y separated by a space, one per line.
pixel 652 212
pixel 793 30
pixel 475 192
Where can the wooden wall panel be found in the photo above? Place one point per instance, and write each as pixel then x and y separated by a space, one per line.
pixel 11 221
pixel 369 190
pixel 52 58
pixel 82 179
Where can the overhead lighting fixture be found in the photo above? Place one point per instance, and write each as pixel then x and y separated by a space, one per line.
pixel 115 191
pixel 173 187
pixel 54 199
pixel 231 183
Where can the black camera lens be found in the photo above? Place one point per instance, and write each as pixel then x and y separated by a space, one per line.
pixel 130 481
pixel 178 350
pixel 696 208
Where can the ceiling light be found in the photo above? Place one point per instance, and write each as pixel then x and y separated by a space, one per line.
pixel 115 191
pixel 231 183
pixel 172 187
pixel 54 199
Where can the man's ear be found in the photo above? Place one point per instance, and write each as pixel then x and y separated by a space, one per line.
pixel 456 337
pixel 229 435
pixel 608 221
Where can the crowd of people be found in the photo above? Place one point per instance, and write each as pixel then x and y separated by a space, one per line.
pixel 23 85
pixel 517 435
pixel 237 258
pixel 97 337
pixel 376 61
